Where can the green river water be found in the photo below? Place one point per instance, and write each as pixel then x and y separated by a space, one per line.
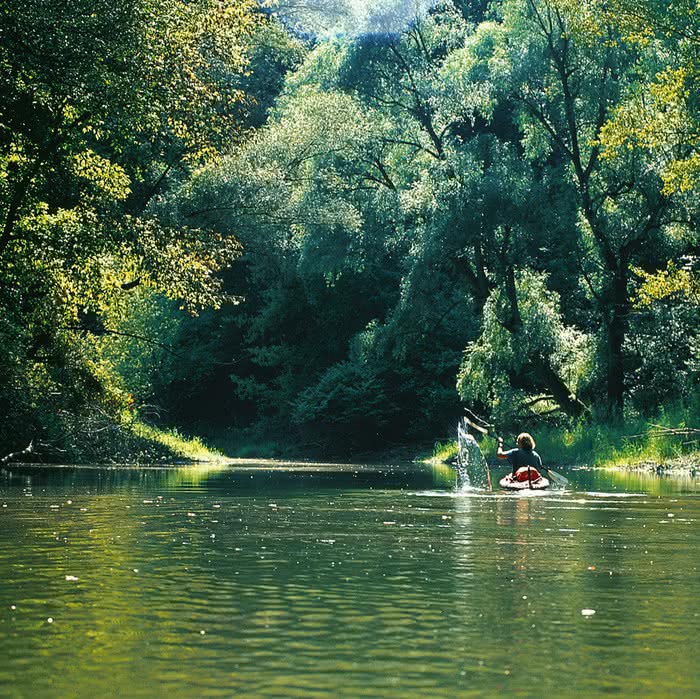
pixel 266 580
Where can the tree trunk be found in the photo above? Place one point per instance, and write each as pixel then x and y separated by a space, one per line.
pixel 568 402
pixel 474 274
pixel 616 329
pixel 540 367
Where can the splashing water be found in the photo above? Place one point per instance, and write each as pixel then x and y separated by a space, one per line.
pixel 472 469
pixel 350 18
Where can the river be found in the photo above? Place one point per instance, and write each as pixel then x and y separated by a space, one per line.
pixel 284 580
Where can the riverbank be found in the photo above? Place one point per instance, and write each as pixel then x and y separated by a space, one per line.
pixel 664 444
pixel 649 446
pixel 134 442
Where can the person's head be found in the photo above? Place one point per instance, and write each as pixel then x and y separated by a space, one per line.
pixel 525 441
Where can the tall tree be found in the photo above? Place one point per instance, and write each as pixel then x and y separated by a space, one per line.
pixel 564 67
pixel 102 107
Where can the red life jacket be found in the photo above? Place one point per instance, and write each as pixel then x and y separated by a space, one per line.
pixel 522 476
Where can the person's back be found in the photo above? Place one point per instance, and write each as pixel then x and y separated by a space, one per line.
pixel 523 455
pixel 518 458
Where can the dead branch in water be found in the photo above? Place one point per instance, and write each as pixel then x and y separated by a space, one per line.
pixel 15 454
pixel 661 431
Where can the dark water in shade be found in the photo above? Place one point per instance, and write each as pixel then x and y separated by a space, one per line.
pixel 344 582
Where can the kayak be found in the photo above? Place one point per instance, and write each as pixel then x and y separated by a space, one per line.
pixel 524 480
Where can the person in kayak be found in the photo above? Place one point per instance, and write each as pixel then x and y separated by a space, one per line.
pixel 524 455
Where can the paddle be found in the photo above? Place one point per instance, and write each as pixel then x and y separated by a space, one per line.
pixel 555 477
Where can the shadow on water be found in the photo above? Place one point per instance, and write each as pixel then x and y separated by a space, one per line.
pixel 269 476
pixel 263 476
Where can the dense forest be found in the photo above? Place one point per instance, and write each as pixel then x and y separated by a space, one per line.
pixel 323 227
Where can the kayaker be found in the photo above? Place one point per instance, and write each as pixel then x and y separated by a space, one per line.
pixel 523 455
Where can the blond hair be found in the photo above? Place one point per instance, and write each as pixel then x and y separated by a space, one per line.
pixel 525 441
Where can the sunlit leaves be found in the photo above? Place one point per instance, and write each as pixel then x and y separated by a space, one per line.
pixel 105 177
pixel 498 366
pixel 669 283
pixel 103 107
pixel 658 118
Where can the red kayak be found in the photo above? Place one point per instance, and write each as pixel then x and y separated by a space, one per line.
pixel 526 478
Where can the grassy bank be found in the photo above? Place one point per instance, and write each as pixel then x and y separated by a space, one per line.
pixel 131 442
pixel 664 439
pixel 173 445
pixel 609 446
pixel 443 452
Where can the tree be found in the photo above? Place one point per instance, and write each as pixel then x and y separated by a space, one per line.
pixel 516 365
pixel 563 68
pixel 661 116
pixel 102 107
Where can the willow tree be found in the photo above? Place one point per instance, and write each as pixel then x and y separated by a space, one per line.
pixel 563 67
pixel 527 361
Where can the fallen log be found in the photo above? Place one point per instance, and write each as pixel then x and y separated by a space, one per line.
pixel 13 456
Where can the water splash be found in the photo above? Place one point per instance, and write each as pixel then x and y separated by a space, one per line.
pixel 472 469
pixel 325 19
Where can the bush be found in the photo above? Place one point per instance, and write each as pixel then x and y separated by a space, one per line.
pixel 348 407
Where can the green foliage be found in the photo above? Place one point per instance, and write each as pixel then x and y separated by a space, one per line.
pixel 500 369
pixel 102 108
pixel 347 401
pixel 518 180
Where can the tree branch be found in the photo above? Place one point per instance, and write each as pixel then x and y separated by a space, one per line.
pixel 133 336
pixel 15 454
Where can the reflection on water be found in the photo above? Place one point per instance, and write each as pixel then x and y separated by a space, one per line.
pixel 320 581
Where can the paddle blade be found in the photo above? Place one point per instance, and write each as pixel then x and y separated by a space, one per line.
pixel 557 477
pixel 476 427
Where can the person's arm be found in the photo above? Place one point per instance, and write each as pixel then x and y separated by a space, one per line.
pixel 500 453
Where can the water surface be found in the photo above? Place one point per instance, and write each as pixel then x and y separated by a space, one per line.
pixel 354 581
